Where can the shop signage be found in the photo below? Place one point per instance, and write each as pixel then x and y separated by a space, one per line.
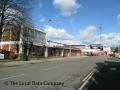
pixel 1 56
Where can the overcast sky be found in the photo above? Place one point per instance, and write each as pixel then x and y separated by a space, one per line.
pixel 79 20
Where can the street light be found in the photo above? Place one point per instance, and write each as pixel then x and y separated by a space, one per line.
pixel 100 28
pixel 118 42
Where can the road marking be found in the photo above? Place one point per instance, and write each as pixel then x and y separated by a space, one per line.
pixel 86 79
pixel 83 85
pixel 12 77
pixel 46 69
pixel 88 75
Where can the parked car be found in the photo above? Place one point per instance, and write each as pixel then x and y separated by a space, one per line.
pixel 7 54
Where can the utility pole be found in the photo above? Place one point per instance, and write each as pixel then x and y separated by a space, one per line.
pixel 46 46
pixel 118 43
pixel 100 28
pixel 70 46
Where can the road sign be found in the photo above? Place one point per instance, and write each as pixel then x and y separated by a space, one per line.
pixel 1 56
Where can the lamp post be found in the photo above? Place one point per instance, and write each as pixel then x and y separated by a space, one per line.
pixel 100 28
pixel 70 46
pixel 46 46
pixel 118 43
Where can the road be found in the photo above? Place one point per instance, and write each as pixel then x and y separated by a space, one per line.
pixel 56 75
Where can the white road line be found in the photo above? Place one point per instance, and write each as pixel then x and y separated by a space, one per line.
pixel 46 69
pixel 12 77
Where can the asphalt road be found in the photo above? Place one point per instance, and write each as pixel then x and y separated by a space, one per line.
pixel 56 75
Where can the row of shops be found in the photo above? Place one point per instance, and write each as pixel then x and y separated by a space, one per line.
pixel 53 51
pixel 34 43
pixel 62 50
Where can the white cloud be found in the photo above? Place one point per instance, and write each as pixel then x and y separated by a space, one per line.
pixel 70 42
pixel 110 39
pixel 57 33
pixel 88 36
pixel 13 12
pixel 118 18
pixel 66 7
pixel 13 16
pixel 88 32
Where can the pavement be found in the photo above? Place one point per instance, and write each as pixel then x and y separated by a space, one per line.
pixel 42 60
pixel 55 74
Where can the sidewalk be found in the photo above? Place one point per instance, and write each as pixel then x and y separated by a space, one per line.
pixel 17 63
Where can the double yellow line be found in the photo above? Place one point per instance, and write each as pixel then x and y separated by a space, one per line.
pixel 86 79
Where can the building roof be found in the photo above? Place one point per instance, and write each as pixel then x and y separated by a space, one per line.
pixel 41 30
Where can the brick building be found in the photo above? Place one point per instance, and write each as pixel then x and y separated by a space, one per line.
pixel 10 39
pixel 15 38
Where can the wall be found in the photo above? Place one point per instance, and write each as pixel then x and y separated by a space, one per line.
pixel 10 38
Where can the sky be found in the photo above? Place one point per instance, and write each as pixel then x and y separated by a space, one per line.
pixel 78 21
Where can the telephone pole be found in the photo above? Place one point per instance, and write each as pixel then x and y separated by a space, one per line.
pixel 100 28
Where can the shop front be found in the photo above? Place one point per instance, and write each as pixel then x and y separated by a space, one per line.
pixel 55 49
pixel 54 52
pixel 72 52
pixel 36 51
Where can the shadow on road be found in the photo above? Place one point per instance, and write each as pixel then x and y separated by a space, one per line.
pixel 107 76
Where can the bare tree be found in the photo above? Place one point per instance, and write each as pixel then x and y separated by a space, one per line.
pixel 13 12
